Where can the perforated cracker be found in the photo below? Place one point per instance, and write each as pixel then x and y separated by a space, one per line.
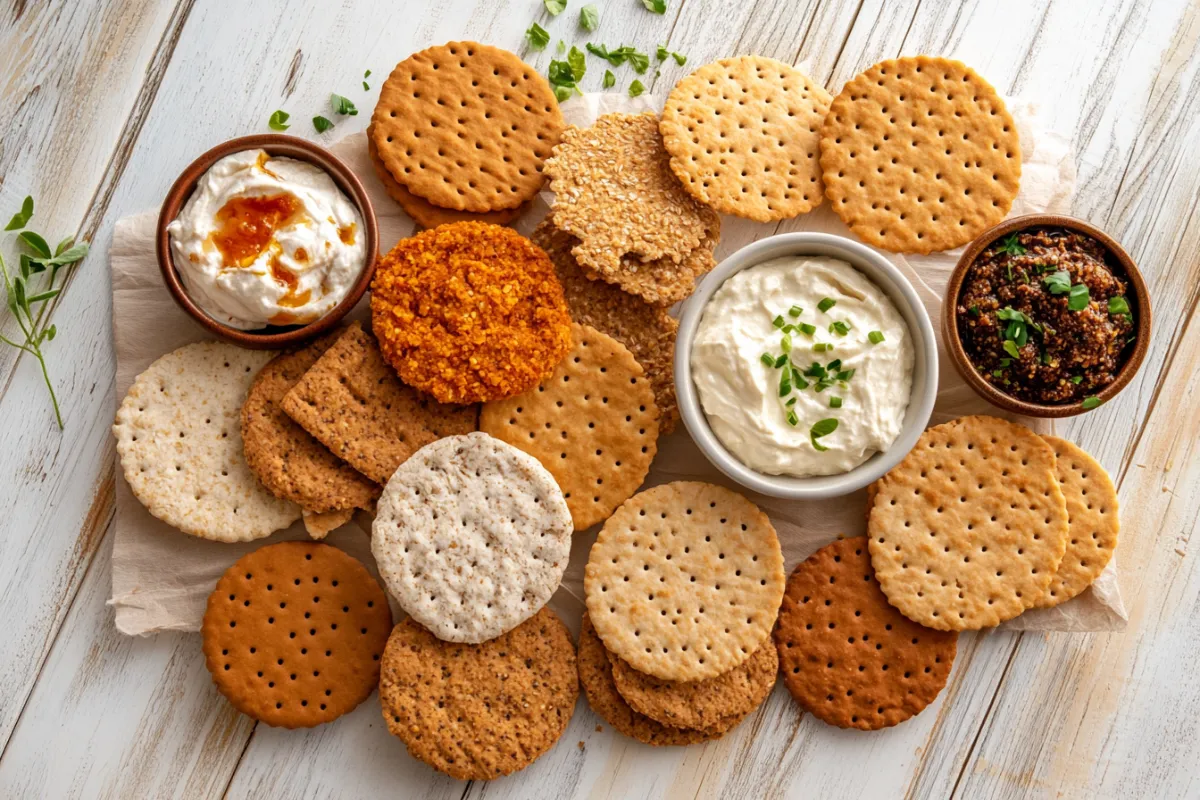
pixel 743 134
pixel 471 537
pixel 466 126
pixel 592 424
pixel 968 530
pixel 293 634
pixel 1092 521
pixel 684 580
pixel 180 443
pixel 919 154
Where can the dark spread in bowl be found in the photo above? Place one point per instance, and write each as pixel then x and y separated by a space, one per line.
pixel 1043 316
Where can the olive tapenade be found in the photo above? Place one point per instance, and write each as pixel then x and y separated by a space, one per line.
pixel 1044 317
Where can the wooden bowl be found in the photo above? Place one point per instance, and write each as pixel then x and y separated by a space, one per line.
pixel 271 337
pixel 1140 301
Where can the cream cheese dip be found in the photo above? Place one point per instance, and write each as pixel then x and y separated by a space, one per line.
pixel 803 366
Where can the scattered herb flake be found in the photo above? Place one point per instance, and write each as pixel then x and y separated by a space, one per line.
pixel 875 337
pixel 835 401
pixel 779 361
pixel 1010 347
pixel 785 344
pixel 792 419
pixel 821 347
pixel 342 105
pixel 589 17
pixel 1080 297
pixel 321 124
pixel 807 329
pixel 778 321
pixel 636 89
pixel 555 7
pixel 657 6
pixel 826 304
pixel 1058 282
pixel 795 311
pixel 279 121
pixel 840 327
pixel 578 62
pixel 821 429
pixel 974 311
pixel 1091 402
pixel 561 47
pixel 1076 379
pixel 1119 305
pixel 610 80
pixel 1011 246
pixel 537 36
pixel 21 218
pixel 766 359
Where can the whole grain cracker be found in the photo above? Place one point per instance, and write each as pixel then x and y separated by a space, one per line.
pixel 968 530
pixel 466 126
pixel 179 439
pixel 615 192
pixel 471 537
pixel 684 580
pixel 592 424
pixel 919 154
pixel 848 657
pixel 480 711
pixel 1092 521
pixel 293 634
pixel 648 331
pixel 705 703
pixel 744 137
pixel 320 525
pixel 596 677
pixel 290 463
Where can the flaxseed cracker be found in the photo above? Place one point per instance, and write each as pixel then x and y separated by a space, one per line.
pixel 179 439
pixel 466 126
pixel 919 154
pixel 480 711
pixel 968 530
pixel 592 424
pixel 290 463
pixel 351 401
pixel 293 634
pixel 744 137
pixel 661 281
pixel 648 331
pixel 848 657
pixel 1092 521
pixel 684 580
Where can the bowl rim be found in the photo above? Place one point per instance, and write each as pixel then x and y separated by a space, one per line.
pixel 923 392
pixel 958 355
pixel 276 145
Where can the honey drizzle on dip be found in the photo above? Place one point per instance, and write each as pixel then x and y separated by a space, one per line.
pixel 246 225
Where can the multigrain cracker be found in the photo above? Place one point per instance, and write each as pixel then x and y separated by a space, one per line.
pixel 592 424
pixel 290 463
pixel 466 126
pixel 320 525
pixel 1092 521
pixel 471 537
pixel 180 443
pixel 293 634
pixel 662 281
pixel 480 711
pixel 968 530
pixel 848 657
pixel 684 580
pixel 648 331
pixel 701 704
pixel 743 134
pixel 352 402
pixel 469 312
pixel 919 154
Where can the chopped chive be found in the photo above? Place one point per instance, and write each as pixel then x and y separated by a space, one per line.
pixel 875 337
pixel 791 402
pixel 778 321
pixel 801 384
pixel 826 304
pixel 807 329
pixel 974 311
pixel 834 366
pixel 796 311
pixel 835 401
pixel 779 361
pixel 785 343
pixel 1091 402
pixel 840 327
pixel 996 373
pixel 766 359
pixel 821 347
pixel 792 419
pixel 821 428
pixel 846 374
pixel 785 383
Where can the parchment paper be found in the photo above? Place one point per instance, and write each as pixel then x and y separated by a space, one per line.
pixel 162 577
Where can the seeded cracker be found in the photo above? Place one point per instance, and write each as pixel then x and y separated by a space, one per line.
pixel 179 439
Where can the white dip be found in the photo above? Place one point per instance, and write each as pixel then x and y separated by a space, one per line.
pixel 741 394
pixel 267 241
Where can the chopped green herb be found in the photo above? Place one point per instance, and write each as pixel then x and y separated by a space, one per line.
pixel 791 402
pixel 1080 297
pixel 785 343
pixel 366 86
pixel 565 76
pixel 561 47
pixel 342 105
pixel 974 311
pixel 610 80
pixel 795 311
pixel 367 74
pixel 840 327
pixel 789 328
pixel 1046 359
pixel 1091 402
pixel 785 382
pixel 1118 305
pixel 636 89
pixel 21 218
pixel 321 124
pixel 807 329
pixel 657 6
pixel 820 429
pixel 1008 270
pixel 1005 362
pixel 1058 282
pixel 875 337
pixel 1076 379
pixel 835 401
pixel 792 419
pixel 826 304
pixel 662 52
pixel 640 62
pixel 821 347
pixel 279 121
pixel 846 374
pixel 779 361
pixel 537 36
pixel 778 321
pixel 801 384
pixel 1018 325
pixel 680 58
pixel 620 55
pixel 996 373
pixel 1010 347
pixel 589 17
pixel 766 359
pixel 815 371
pixel 834 366
pixel 1011 246
pixel 555 7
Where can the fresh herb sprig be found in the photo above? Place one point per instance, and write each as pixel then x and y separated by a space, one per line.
pixel 1011 246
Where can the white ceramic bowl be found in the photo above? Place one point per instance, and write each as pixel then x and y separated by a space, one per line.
pixel 925 365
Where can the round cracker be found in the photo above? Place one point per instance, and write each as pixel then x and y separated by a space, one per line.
pixel 848 657
pixel 919 154
pixel 684 580
pixel 743 134
pixel 480 711
pixel 968 530
pixel 471 537
pixel 293 634
pixel 592 424
pixel 466 126
pixel 180 443
pixel 1092 521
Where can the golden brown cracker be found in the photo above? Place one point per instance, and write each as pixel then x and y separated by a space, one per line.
pixel 320 525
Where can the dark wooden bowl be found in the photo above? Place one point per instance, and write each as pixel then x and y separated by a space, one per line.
pixel 1140 302
pixel 272 337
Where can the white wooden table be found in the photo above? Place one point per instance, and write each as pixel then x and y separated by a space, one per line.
pixel 104 101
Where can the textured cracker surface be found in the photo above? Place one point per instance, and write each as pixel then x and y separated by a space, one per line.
pixel 848 657
pixel 320 525
pixel 592 424
pixel 293 634
pixel 968 530
pixel 684 580
pixel 1092 521
pixel 179 439
pixel 471 537
pixel 919 154
pixel 479 711
pixel 743 134
pixel 353 403
pixel 466 126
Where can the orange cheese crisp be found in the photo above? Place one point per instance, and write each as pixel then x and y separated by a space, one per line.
pixel 470 312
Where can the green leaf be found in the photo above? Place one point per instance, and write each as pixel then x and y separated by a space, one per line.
pixel 1076 379
pixel 819 429
pixel 68 256
pixel 640 62
pixel 578 62
pixel 636 89
pixel 1058 282
pixel 617 56
pixel 563 93
pixel 18 284
pixel 680 58
pixel 846 374
pixel 875 337
pixel 1080 297
pixel 800 383
pixel 50 333
pixel 35 243
pixel 1010 347
pixel 21 218
pixel 795 311
pixel 657 6
pixel 366 86
pixel 64 244
pixel 42 297
pixel 1119 305
pixel 342 105
pixel 561 47
pixel 610 80
pixel 321 124
pixel 826 304
pixel 555 7
pixel 367 74
pixel 1091 402
pixel 1011 246
pixel 279 120
pixel 589 17
pixel 537 36
pixel 835 401
pixel 662 52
